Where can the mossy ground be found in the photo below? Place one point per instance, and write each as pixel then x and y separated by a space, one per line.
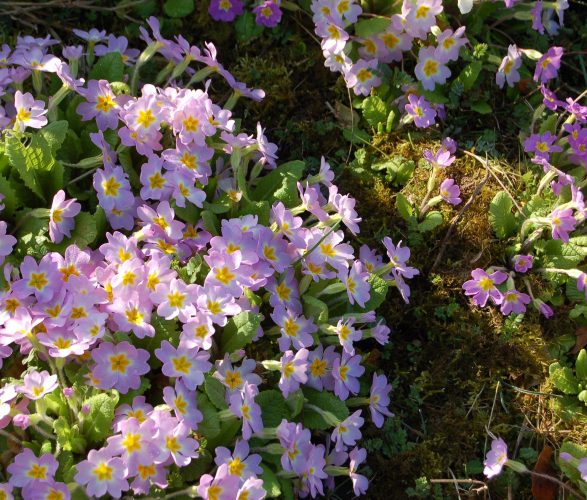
pixel 456 370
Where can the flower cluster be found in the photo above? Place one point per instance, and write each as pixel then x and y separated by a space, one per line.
pixel 222 300
pixel 267 12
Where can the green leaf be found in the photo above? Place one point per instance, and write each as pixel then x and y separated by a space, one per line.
pixel 315 308
pixel 239 331
pixel 211 223
pixel 481 107
pixel 570 470
pixel 470 73
pixel 403 206
pixel 215 392
pixel 261 209
pixel 28 159
pixel 178 8
pixel 563 379
pixel 246 28
pixel 54 134
pixel 281 184
pixel 399 169
pixel 581 365
pixel 273 407
pixel 209 427
pixel 501 217
pixel 326 401
pixel 365 28
pixel 83 234
pixel 374 110
pixel 270 482
pixel 10 199
pixel 431 221
pixel 377 293
pixel 108 67
pixel 98 421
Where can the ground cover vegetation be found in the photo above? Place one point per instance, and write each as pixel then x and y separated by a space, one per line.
pixel 289 249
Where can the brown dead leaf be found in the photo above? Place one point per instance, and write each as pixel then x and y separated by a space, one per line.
pixel 581 340
pixel 543 489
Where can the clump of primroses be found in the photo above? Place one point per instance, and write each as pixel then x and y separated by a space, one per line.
pixel 210 312
pixel 555 155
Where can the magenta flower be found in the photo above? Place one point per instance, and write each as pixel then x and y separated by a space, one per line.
pixel 550 99
pixel 7 242
pixel 178 446
pixel 41 280
pixel 119 366
pixel 379 400
pixel 102 473
pixel 134 444
pixel 29 113
pixel 360 482
pixel 101 104
pixel 222 486
pixel 239 462
pixel 421 111
pixel 522 263
pixel 548 65
pixel 296 330
pixel 348 432
pixel 188 365
pixel 28 469
pixel 225 10
pixel 293 371
pixel 562 222
pixel 91 36
pixel 61 216
pixel 482 287
pixel 36 384
pixel 449 192
pixel 449 44
pixel 346 371
pixel 363 76
pixel 542 145
pixel 267 14
pixel 113 189
pixel 430 70
pixel 496 458
pixel 242 404
pixel 508 69
pixel 514 301
pixel 441 159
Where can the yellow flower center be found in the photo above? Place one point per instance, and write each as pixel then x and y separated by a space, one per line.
pixel 176 299
pixel 233 379
pixel 132 443
pixel 38 281
pixel 119 363
pixel 56 215
pixel 22 115
pixel 430 68
pixel 283 292
pixel 103 472
pixel 146 471
pixel 182 364
pixel 104 103
pixel 157 181
pixel 318 367
pixel 236 467
pixel 224 275
pixel 145 118
pixel 291 327
pixel 364 74
pixel 172 445
pixel 190 124
pixel 111 187
pixel 134 316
